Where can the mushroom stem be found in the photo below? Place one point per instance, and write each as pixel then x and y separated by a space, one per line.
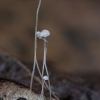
pixel 35 44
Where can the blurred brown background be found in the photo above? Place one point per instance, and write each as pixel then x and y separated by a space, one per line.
pixel 74 43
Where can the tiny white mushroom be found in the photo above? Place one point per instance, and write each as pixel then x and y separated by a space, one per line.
pixel 44 33
pixel 45 77
pixel 42 91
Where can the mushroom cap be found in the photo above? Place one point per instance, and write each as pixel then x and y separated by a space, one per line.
pixel 44 33
pixel 45 77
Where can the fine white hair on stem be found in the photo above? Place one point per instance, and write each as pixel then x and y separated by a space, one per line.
pixel 35 44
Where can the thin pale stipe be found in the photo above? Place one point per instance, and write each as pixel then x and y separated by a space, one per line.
pixel 35 44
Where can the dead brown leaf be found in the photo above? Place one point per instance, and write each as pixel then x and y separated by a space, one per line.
pixel 11 90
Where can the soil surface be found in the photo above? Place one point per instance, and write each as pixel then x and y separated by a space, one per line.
pixel 66 87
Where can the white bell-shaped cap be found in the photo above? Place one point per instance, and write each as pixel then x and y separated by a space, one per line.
pixel 45 77
pixel 44 33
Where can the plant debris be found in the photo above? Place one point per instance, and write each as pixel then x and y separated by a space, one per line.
pixel 11 90
pixel 66 87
